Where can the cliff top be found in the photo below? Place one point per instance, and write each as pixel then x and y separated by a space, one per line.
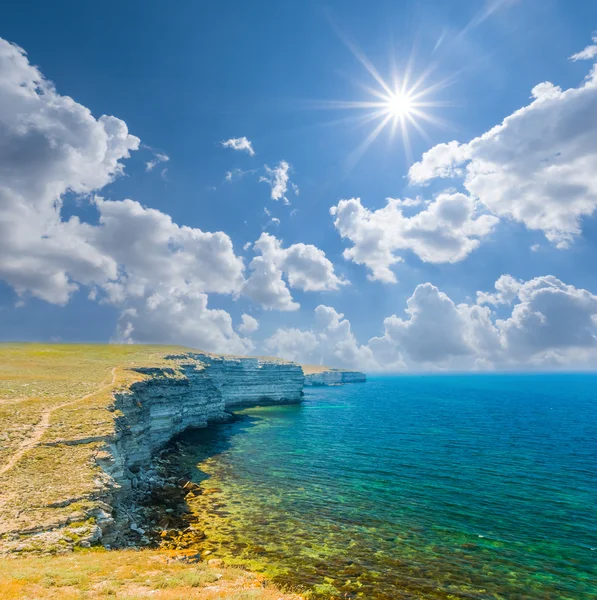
pixel 56 411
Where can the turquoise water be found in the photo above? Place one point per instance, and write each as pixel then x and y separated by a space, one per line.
pixel 412 487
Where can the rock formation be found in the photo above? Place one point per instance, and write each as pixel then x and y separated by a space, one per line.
pixel 196 390
pixel 199 391
pixel 334 377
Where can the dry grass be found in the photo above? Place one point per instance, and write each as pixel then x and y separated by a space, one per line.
pixel 129 575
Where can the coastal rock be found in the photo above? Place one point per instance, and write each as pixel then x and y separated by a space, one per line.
pixel 334 377
pixel 199 392
pixel 200 389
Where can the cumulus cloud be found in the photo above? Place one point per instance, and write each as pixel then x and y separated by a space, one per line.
pixel 241 143
pixel 293 344
pixel 550 318
pixel 447 230
pixel 51 146
pixel 507 288
pixel 434 330
pixel 589 53
pixel 329 342
pixel 536 167
pixel 151 247
pixel 134 257
pixel 279 179
pixel 249 324
pixel 181 317
pixel 440 161
pixel 305 267
pixel 551 324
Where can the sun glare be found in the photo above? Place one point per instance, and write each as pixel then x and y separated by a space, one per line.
pixel 399 105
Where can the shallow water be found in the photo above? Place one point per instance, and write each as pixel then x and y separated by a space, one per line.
pixel 411 487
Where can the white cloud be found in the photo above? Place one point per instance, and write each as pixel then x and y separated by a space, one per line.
pixel 156 160
pixel 279 179
pixel 306 268
pixel 447 230
pixel 150 247
pixel 440 161
pixel 293 344
pixel 331 342
pixel 51 146
pixel 241 143
pixel 551 317
pixel 155 272
pixel 249 324
pixel 589 53
pixel 551 325
pixel 181 317
pixel 507 289
pixel 237 174
pixel 434 330
pixel 537 167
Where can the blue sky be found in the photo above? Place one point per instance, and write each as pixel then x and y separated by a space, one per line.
pixel 188 77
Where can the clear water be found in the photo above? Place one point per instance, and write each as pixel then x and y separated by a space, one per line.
pixel 411 487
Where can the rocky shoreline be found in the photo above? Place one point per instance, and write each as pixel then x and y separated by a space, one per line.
pixel 147 500
pixel 139 497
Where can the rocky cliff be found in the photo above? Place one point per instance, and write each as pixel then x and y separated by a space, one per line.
pixel 200 389
pixel 87 480
pixel 334 377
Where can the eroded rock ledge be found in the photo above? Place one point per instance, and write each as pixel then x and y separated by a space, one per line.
pixel 200 391
pixel 334 377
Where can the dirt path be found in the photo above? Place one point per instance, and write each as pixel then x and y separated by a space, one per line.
pixel 34 439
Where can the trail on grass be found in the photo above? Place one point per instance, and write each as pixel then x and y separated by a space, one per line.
pixel 39 430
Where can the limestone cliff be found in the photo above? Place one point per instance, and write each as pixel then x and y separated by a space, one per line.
pixel 112 470
pixel 333 377
pixel 199 391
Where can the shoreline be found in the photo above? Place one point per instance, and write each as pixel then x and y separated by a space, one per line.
pixel 81 456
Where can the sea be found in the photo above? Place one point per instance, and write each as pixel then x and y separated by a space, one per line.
pixel 430 486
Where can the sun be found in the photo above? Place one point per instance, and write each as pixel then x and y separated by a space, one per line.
pixel 399 105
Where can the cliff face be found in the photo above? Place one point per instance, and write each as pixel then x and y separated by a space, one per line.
pixel 248 381
pixel 334 377
pixel 200 391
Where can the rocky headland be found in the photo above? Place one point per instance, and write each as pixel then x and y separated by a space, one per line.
pixel 324 376
pixel 84 426
pixel 88 468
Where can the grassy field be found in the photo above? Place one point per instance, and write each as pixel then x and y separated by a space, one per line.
pixel 130 575
pixel 56 408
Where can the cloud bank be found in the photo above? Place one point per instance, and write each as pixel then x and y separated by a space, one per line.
pixel 536 167
pixel 548 324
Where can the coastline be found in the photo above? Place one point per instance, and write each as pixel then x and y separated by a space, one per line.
pixel 122 496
